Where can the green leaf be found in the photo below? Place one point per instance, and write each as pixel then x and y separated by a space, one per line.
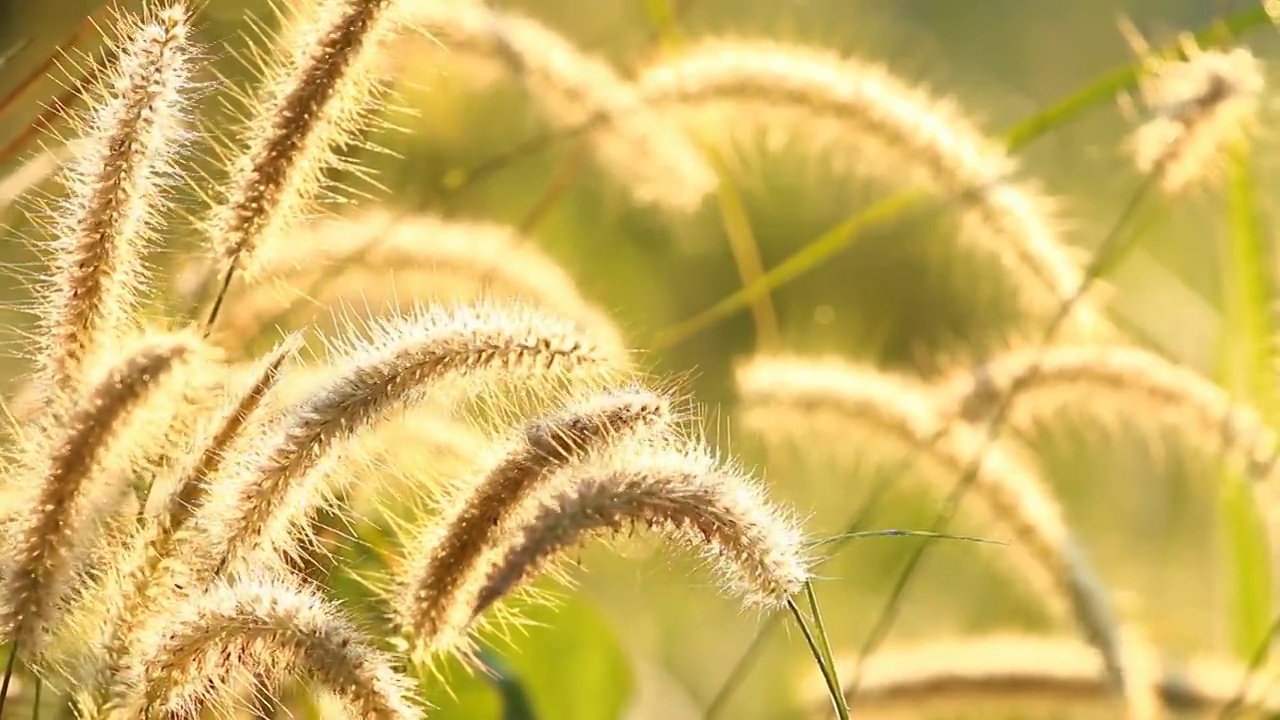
pixel 515 700
pixel 461 694
pixel 563 663
pixel 568 662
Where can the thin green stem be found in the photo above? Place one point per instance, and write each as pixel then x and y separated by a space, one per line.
pixel 828 674
pixel 824 644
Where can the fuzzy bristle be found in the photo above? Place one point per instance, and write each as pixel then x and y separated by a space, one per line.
pixel 318 89
pixel 1040 675
pixel 639 146
pixel 798 396
pixel 114 193
pixel 405 360
pixel 132 594
pixel 39 562
pixel 301 631
pixel 447 565
pixel 377 260
pixel 683 493
pixel 902 128
pixel 1199 106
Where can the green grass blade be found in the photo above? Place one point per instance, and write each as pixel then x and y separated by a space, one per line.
pixel 1249 285
pixel 746 253
pixel 1247 366
pixel 837 238
pixel 807 258
pixel 828 672
pixel 1249 564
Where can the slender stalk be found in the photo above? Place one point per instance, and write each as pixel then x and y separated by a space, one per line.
pixel 820 629
pixel 8 675
pixel 828 675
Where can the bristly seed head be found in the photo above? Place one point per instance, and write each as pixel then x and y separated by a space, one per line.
pixel 40 565
pixel 447 565
pixel 403 362
pixel 132 134
pixel 315 98
pixel 683 493
pixel 1199 107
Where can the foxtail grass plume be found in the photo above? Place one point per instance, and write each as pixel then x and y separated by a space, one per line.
pixel 318 90
pixel 819 398
pixel 303 632
pixel 893 128
pixel 1037 675
pixel 639 146
pixel 1199 106
pixel 445 568
pixel 39 557
pixel 1121 382
pixel 114 184
pixel 381 259
pixel 261 506
pixel 136 584
pixel 685 494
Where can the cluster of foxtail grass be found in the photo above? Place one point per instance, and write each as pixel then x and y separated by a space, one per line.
pixel 168 488
pixel 180 487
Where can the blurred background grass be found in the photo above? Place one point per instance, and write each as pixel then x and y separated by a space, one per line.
pixel 902 296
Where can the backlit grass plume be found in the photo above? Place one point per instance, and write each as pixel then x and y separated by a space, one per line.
pixel 892 129
pixel 317 495
pixel 305 634
pixel 827 400
pixel 405 359
pixel 684 493
pixel 316 93
pixel 1199 105
pixel 639 146
pixel 375 261
pixel 39 559
pixel 137 584
pixel 1042 675
pixel 444 570
pixel 1122 382
pixel 114 192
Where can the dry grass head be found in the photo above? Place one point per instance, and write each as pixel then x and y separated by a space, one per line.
pixel 404 360
pixel 114 193
pixel 445 567
pixel 1125 383
pixel 894 128
pixel 639 146
pixel 1040 675
pixel 682 491
pixel 377 261
pixel 826 398
pixel 318 90
pixel 44 537
pixel 300 632
pixel 179 602
pixel 1199 106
